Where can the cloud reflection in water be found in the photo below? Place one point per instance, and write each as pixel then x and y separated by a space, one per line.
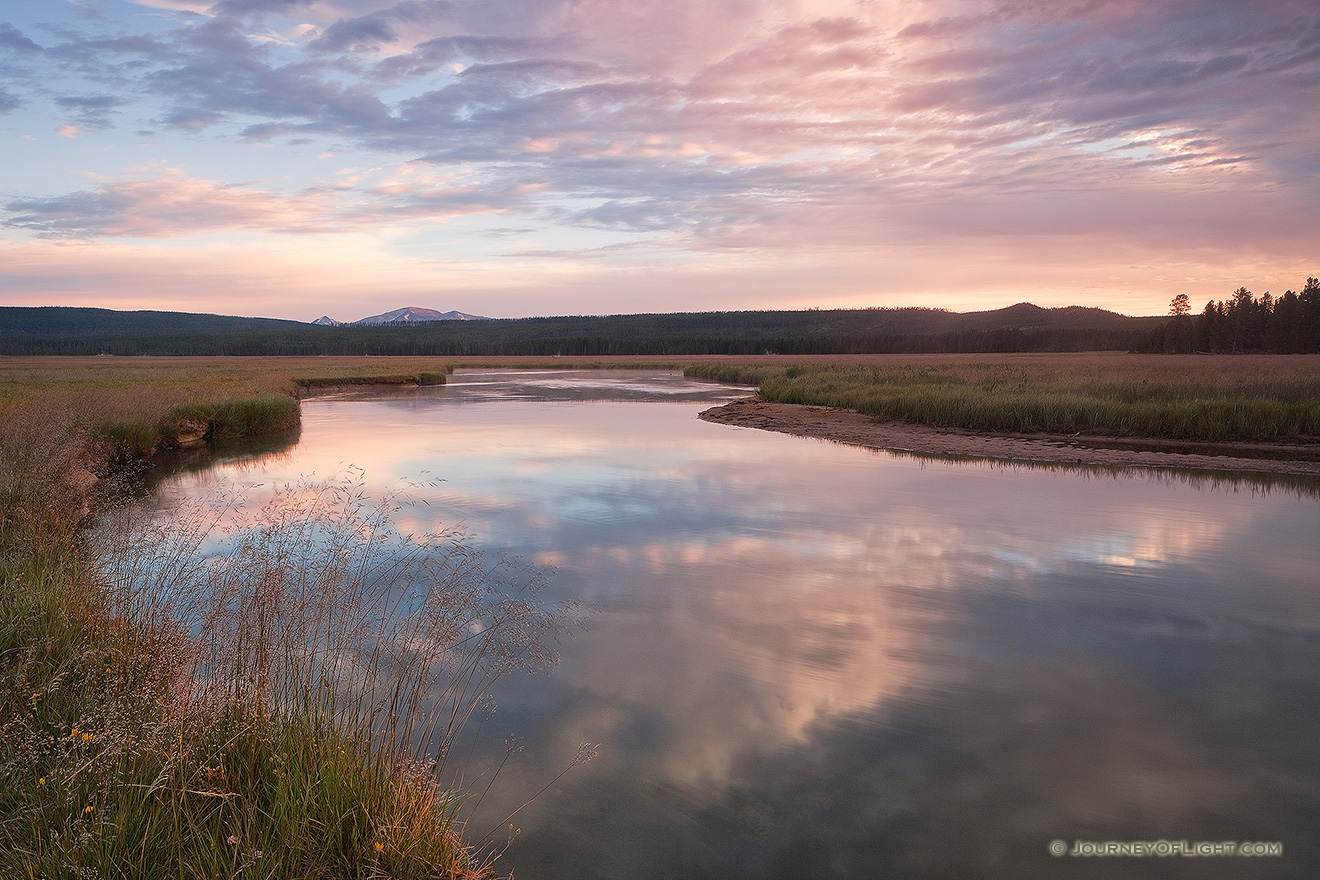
pixel 817 658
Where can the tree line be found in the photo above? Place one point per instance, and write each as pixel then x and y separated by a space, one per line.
pixel 1023 327
pixel 1244 323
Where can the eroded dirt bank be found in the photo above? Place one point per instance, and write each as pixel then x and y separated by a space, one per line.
pixel 848 426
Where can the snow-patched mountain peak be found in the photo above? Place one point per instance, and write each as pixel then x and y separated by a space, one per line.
pixel 415 314
pixel 405 315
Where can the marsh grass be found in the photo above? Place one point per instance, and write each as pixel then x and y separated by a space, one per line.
pixel 236 419
pixel 1103 396
pixel 316 593
pixel 274 691
pixel 315 383
pixel 237 688
pixel 224 421
pixel 141 405
pixel 138 392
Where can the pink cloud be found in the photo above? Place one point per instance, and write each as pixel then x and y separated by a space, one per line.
pixel 173 205
pixel 169 205
pixel 825 143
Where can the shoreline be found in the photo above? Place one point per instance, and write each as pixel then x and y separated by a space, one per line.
pixel 858 429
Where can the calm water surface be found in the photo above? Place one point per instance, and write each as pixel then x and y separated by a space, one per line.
pixel 815 660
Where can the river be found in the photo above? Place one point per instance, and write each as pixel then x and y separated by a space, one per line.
pixel 816 660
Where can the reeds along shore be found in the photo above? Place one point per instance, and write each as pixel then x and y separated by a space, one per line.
pixel 284 708
pixel 1263 398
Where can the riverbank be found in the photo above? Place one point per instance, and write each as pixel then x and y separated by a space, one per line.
pixel 859 429
pixel 116 754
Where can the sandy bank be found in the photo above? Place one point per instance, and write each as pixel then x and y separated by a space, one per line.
pixel 848 426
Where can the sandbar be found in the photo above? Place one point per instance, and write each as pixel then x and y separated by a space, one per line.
pixel 850 426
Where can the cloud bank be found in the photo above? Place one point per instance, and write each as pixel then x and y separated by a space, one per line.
pixel 942 153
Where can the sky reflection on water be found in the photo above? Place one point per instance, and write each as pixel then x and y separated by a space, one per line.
pixel 817 660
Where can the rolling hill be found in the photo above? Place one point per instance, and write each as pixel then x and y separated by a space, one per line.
pixel 1021 327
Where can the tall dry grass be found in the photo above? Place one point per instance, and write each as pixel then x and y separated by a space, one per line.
pixel 316 604
pixel 130 398
pixel 234 689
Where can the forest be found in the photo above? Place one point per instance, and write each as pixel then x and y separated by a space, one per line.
pixel 1244 323
pixel 1241 324
pixel 1022 327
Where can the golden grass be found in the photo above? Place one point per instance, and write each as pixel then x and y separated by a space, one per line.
pixel 161 716
pixel 97 391
pixel 1268 398
pixel 1050 391
pixel 146 387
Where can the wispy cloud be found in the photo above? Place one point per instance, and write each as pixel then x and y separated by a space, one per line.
pixel 759 126
pixel 167 205
pixel 13 40
pixel 90 112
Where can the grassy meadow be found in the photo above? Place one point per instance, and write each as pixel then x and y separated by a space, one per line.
pixel 252 714
pixel 139 402
pixel 1261 398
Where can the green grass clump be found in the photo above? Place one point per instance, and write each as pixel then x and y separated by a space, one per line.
pixel 134 438
pixel 426 377
pixel 216 421
pixel 734 374
pixel 229 420
pixel 254 416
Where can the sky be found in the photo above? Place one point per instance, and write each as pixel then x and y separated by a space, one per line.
pixel 510 158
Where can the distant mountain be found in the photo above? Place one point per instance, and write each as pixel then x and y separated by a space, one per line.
pixel 414 315
pixel 416 331
pixel 327 321
pixel 76 321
